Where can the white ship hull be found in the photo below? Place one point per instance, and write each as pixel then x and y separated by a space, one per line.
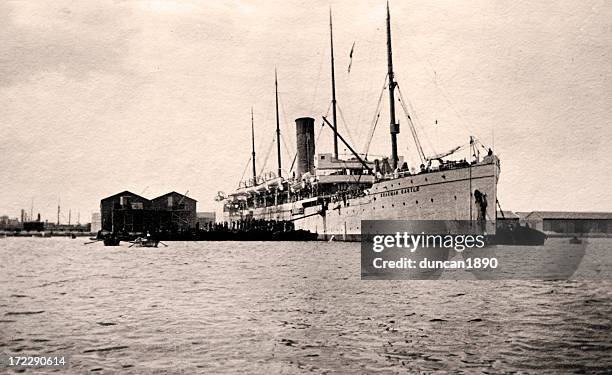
pixel 440 195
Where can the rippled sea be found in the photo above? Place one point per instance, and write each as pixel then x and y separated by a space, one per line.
pixel 285 308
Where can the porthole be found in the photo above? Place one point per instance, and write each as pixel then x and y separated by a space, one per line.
pixel 455 197
pixel 431 200
pixel 404 203
pixel 417 202
pixel 425 179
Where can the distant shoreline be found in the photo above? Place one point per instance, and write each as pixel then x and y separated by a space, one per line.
pixel 89 234
pixel 44 234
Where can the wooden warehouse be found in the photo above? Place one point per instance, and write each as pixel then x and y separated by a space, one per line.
pixel 132 213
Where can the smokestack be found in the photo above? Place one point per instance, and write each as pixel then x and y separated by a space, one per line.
pixel 305 145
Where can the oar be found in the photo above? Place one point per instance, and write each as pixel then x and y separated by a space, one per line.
pixel 90 242
pixel 135 242
pixel 163 243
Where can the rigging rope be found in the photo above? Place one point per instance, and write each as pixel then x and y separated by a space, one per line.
pixel 418 124
pixel 348 131
pixel 316 91
pixel 322 125
pixel 293 163
pixel 286 123
pixel 287 151
pixel 432 73
pixel 280 98
pixel 415 136
pixel 244 171
pixel 366 148
pixel 266 158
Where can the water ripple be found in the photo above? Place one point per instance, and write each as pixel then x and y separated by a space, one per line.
pixel 271 308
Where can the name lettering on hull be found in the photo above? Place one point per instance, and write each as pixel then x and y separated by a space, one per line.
pixel 412 189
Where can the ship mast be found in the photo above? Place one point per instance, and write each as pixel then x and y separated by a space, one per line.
pixel 394 127
pixel 253 155
pixel 278 140
pixel 333 78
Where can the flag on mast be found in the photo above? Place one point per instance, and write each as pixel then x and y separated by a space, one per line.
pixel 351 58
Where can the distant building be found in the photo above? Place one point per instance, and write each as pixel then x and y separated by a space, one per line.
pixel 6 223
pixel 507 217
pixel 55 228
pixel 206 218
pixel 570 223
pixel 522 215
pixel 129 212
pixel 96 222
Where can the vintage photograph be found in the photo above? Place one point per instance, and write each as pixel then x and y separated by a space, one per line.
pixel 292 187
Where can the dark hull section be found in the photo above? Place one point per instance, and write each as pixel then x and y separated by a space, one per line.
pixel 253 235
pixel 518 236
pixel 247 230
pixel 111 241
pixel 298 235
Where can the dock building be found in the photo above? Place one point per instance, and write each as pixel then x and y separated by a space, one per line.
pixel 130 212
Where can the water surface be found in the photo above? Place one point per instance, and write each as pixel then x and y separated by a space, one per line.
pixel 290 308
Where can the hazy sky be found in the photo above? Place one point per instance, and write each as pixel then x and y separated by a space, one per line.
pixel 153 96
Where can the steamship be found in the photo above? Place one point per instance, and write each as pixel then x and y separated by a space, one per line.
pixel 331 196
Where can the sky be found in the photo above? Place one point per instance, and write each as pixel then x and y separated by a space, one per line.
pixel 155 96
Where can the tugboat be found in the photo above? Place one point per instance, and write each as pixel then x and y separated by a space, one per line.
pixel 514 234
pixel 517 235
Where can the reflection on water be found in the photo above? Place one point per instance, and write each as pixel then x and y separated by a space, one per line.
pixel 286 308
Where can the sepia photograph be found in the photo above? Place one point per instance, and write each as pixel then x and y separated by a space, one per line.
pixel 305 187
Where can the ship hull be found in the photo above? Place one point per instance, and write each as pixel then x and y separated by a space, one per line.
pixel 440 195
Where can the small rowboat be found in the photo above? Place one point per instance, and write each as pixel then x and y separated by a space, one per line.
pixel 144 242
